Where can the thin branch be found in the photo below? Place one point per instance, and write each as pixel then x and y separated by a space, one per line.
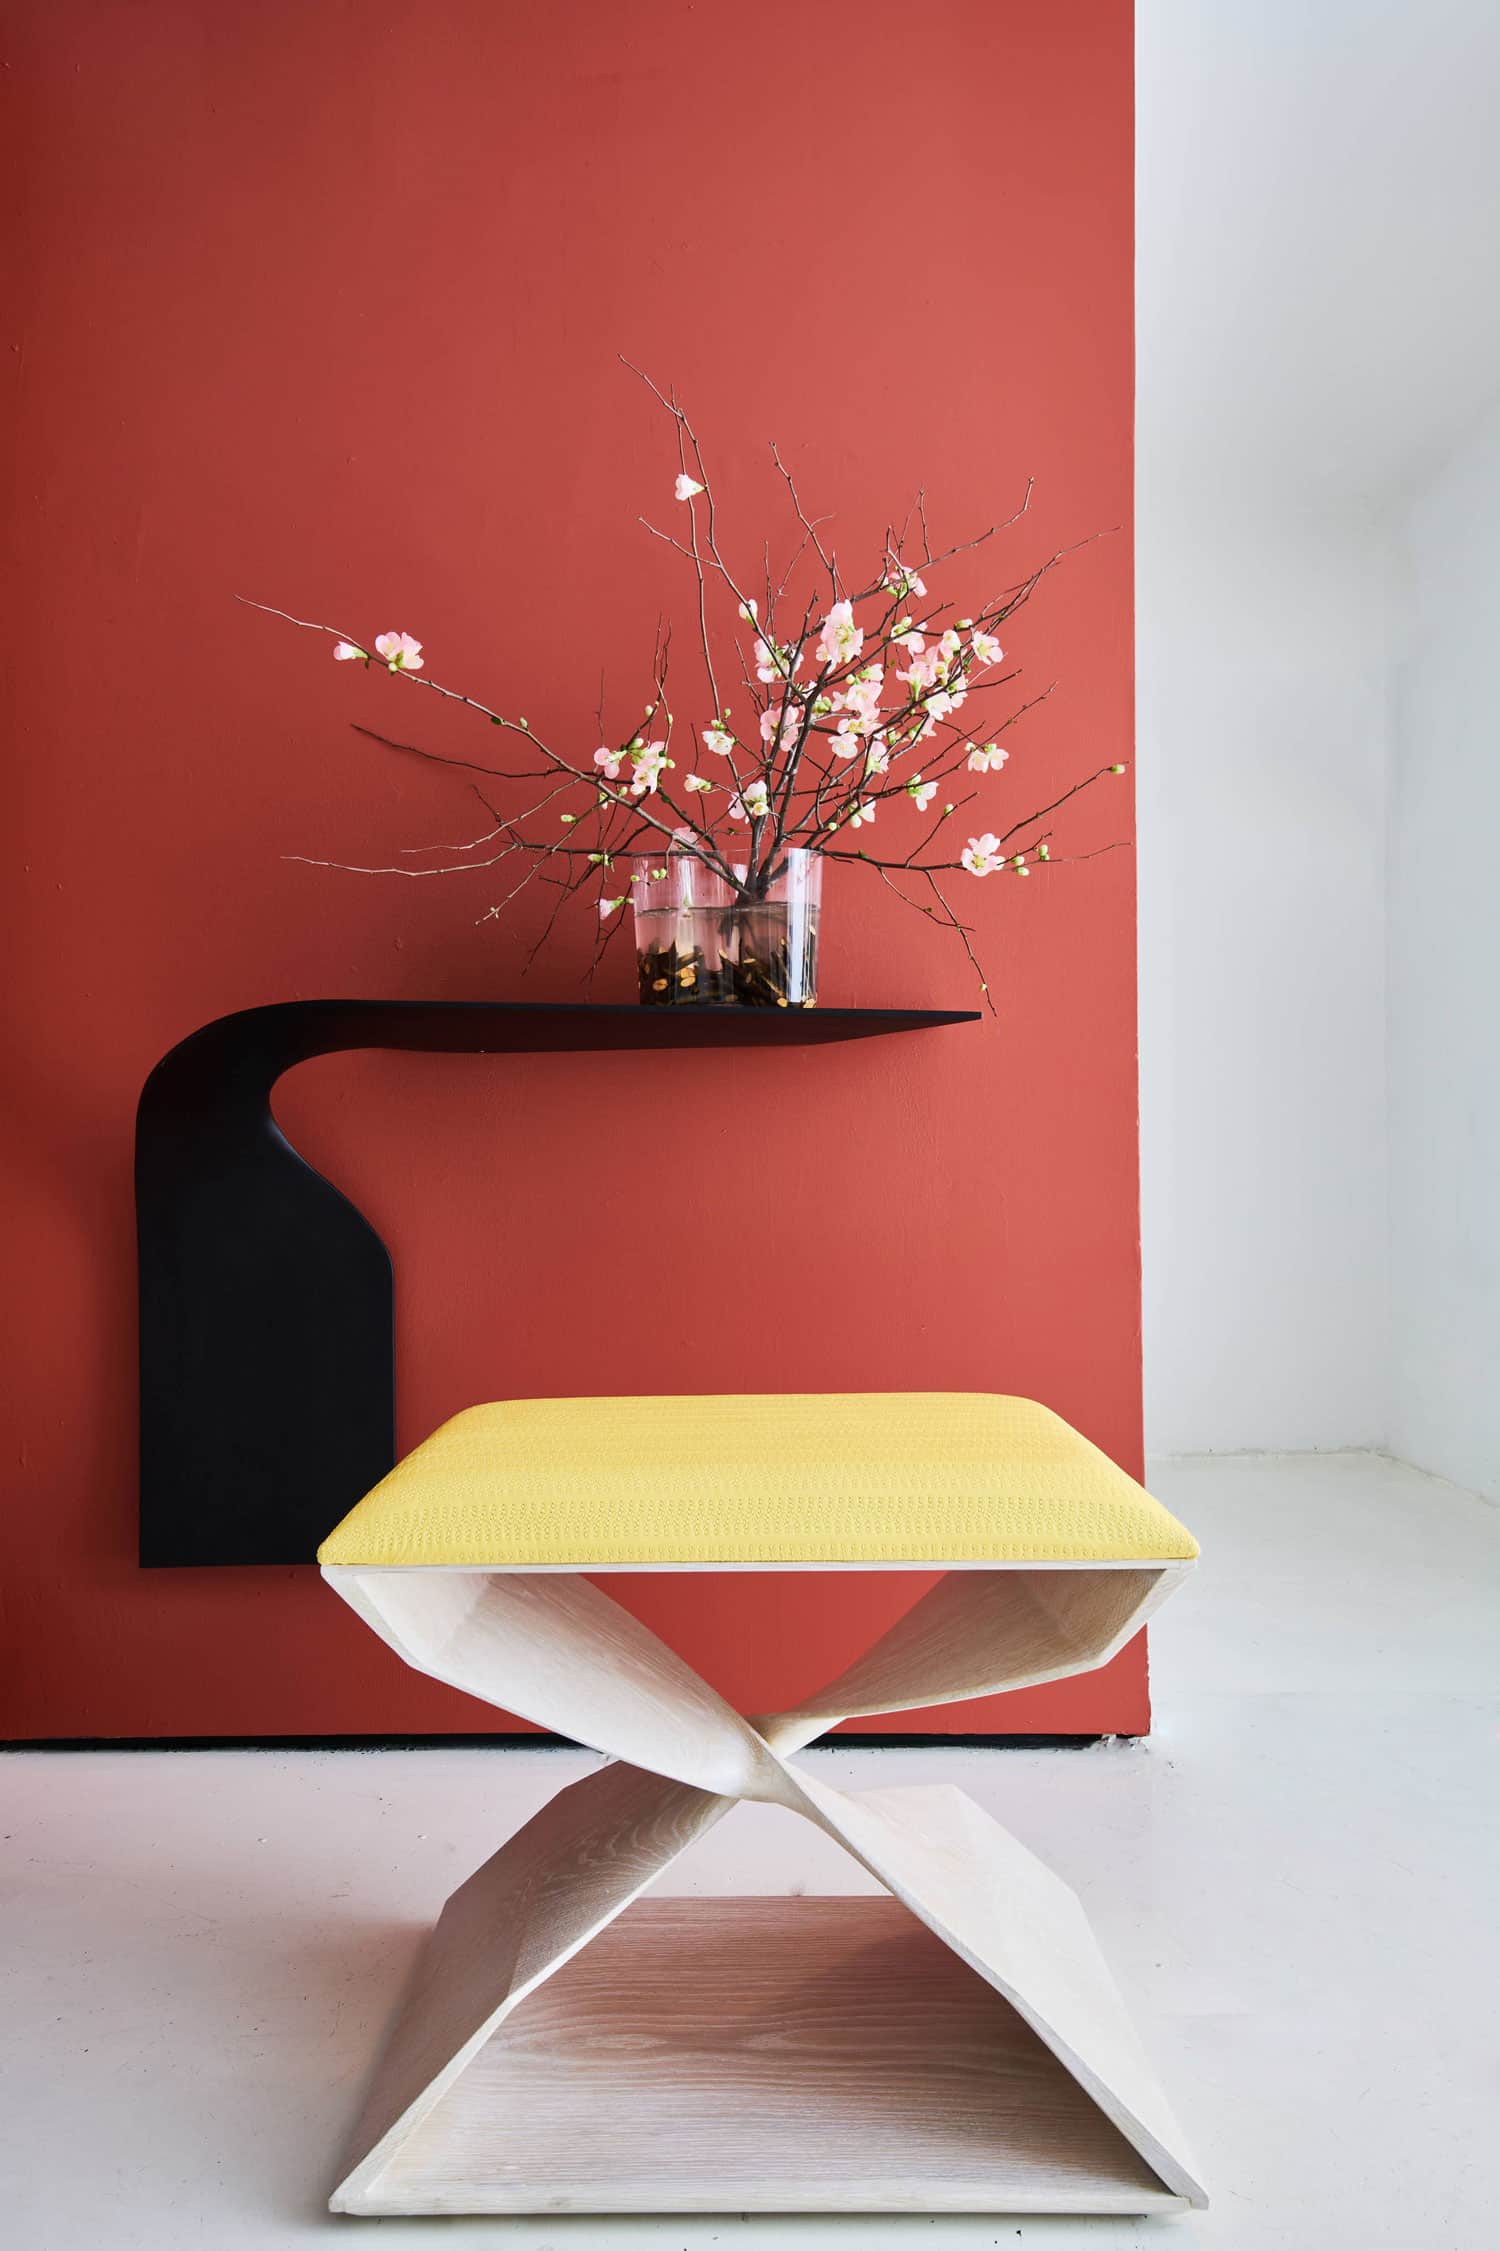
pixel 812 788
pixel 809 525
pixel 447 758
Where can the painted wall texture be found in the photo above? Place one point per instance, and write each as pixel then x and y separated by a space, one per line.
pixel 1443 935
pixel 321 304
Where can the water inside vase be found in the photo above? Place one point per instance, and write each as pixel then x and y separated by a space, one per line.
pixel 746 956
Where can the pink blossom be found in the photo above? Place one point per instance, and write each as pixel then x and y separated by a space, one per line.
pixel 983 854
pixel 911 641
pixel 719 740
pixel 684 835
pixel 773 663
pixel 902 578
pixel 945 702
pixel 608 906
pixel 987 758
pixel 841 639
pixel 986 648
pixel 344 650
pixel 862 813
pixel 609 760
pixel 752 805
pixel 782 724
pixel 400 651
pixel 687 486
pixel 847 741
pixel 878 759
pixel 862 695
pixel 924 670
pixel 950 644
pixel 649 763
pixel 696 782
pixel 921 793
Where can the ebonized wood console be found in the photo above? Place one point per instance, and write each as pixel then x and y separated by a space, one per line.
pixel 266 1324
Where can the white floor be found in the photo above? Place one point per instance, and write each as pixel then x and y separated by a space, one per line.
pixel 1297 1880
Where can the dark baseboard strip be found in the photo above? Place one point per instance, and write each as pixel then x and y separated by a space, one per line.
pixel 895 1742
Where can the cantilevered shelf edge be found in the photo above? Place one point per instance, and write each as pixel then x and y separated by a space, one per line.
pixel 267 1348
pixel 570 2046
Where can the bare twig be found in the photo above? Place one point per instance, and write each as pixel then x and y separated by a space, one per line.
pixel 815 777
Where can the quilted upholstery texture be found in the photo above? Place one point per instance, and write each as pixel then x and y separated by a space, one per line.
pixel 812 1478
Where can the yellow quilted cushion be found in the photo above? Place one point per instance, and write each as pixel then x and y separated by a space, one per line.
pixel 842 1478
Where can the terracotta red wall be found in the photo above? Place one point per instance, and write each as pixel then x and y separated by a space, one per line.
pixel 320 302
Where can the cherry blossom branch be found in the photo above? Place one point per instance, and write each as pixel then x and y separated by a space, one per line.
pixel 700 847
pixel 832 753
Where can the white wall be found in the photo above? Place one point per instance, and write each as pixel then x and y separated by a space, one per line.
pixel 1318 200
pixel 1444 941
pixel 1261 766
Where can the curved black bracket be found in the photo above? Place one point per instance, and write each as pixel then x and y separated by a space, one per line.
pixel 267 1339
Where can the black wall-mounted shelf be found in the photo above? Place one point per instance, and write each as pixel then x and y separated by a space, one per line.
pixel 267 1334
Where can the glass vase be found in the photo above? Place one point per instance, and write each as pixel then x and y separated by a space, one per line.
pixel 703 941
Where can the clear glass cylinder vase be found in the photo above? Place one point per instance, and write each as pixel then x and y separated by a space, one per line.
pixel 739 939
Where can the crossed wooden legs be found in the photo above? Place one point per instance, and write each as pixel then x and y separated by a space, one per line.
pixel 958 2045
